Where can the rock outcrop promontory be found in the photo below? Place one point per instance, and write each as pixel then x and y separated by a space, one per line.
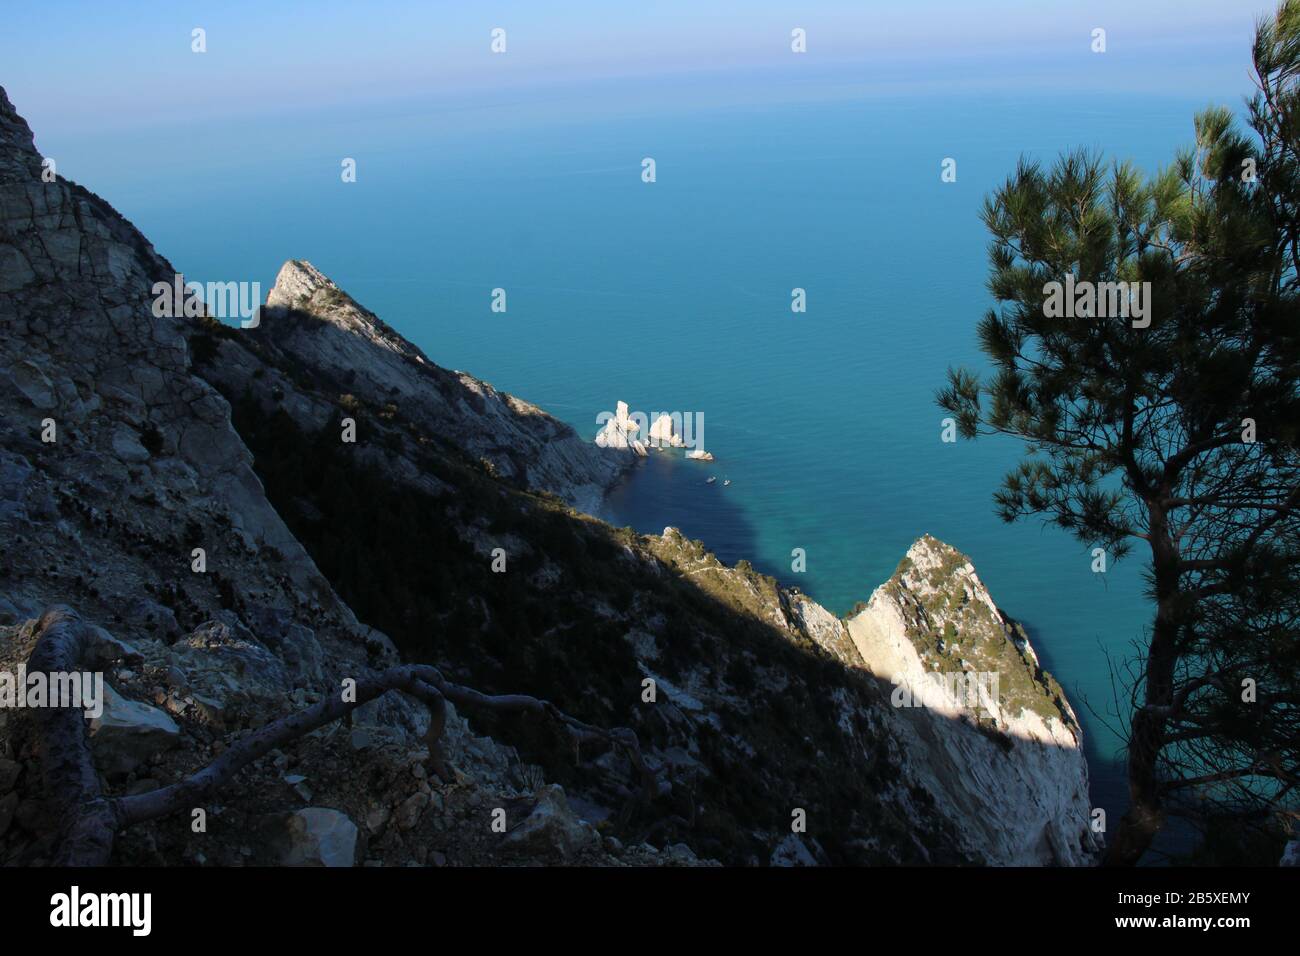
pixel 1017 752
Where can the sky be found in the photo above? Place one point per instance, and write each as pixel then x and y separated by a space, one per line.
pixel 91 66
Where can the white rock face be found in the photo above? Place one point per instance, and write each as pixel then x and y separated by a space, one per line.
pixel 1011 774
pixel 1008 787
pixel 620 431
pixel 699 454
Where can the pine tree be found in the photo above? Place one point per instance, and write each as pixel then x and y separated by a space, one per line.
pixel 1163 413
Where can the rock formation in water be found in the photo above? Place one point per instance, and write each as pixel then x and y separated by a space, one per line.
pixel 620 432
pixel 230 561
pixel 663 433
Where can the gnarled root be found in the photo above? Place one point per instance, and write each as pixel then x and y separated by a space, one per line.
pixel 93 820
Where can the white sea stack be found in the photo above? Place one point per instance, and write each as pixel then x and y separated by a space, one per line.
pixel 663 434
pixel 620 432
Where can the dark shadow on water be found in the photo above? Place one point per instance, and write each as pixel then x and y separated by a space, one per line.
pixel 1107 776
pixel 666 490
pixel 1108 788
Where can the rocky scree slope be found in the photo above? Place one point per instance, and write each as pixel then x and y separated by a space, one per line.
pixel 765 702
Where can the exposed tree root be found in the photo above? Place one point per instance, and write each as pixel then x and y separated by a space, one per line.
pixel 93 820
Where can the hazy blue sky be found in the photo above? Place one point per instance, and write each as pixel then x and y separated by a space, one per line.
pixel 96 65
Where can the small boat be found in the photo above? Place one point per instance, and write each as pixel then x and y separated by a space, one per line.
pixel 711 479
pixel 727 481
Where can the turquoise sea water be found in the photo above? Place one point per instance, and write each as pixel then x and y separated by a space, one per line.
pixel 676 296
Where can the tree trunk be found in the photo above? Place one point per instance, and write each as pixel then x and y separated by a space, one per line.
pixel 1145 816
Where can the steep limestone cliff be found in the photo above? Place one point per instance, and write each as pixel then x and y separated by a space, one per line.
pixel 1007 770
pixel 1008 766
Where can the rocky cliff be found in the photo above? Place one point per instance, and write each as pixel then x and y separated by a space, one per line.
pixel 999 747
pixel 234 559
pixel 310 324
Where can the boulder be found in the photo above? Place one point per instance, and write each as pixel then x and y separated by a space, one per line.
pixel 551 829
pixel 127 447
pixel 103 649
pixel 128 733
pixel 411 810
pixel 318 836
pixel 34 385
pixel 376 818
pixel 394 718
pixel 294 644
pixel 792 852
pixel 224 661
pixel 679 854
